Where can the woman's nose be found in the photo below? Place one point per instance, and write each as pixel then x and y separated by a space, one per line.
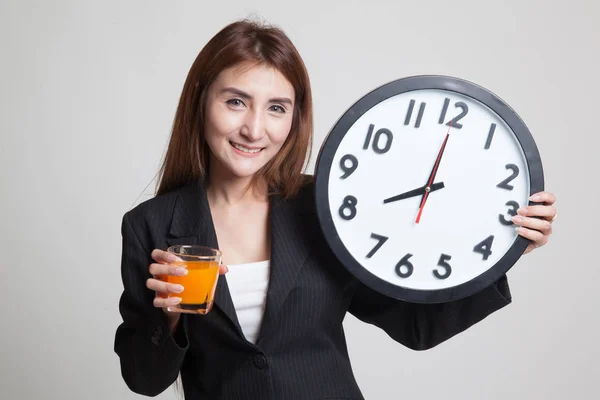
pixel 254 126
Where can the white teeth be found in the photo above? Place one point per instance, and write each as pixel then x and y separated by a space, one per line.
pixel 244 149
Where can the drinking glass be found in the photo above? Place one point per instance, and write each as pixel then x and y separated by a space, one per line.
pixel 200 282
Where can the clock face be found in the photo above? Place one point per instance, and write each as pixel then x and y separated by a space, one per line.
pixel 417 184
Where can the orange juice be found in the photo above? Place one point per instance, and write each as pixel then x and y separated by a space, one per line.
pixel 198 285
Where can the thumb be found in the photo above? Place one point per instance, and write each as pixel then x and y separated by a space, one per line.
pixel 223 269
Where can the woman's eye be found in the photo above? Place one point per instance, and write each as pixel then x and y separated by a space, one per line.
pixel 235 102
pixel 278 109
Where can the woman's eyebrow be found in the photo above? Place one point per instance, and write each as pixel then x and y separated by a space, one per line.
pixel 244 95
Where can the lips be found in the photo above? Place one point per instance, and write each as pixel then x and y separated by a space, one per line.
pixel 246 149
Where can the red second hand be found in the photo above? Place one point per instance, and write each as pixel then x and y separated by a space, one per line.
pixel 434 172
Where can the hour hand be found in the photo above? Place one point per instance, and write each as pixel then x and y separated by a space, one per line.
pixel 416 192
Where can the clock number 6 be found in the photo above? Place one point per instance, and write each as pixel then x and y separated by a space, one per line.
pixel 348 208
pixel 408 266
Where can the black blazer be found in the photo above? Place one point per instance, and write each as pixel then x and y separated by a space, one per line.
pixel 301 351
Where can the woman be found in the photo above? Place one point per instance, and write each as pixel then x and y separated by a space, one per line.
pixel 232 179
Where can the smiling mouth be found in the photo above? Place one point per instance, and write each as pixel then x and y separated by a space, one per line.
pixel 246 149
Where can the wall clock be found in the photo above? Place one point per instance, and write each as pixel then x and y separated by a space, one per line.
pixel 416 185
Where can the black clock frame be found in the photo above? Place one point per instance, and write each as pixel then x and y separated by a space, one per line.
pixel 339 130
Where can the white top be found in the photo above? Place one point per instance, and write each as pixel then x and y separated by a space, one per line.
pixel 248 285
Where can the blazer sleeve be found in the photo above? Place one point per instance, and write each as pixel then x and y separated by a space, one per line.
pixel 423 326
pixel 150 355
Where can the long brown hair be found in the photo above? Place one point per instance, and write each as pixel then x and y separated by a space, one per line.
pixel 187 155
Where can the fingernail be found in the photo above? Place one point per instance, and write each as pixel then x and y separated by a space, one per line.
pixel 175 300
pixel 177 288
pixel 521 211
pixel 535 197
pixel 171 258
pixel 181 271
pixel 226 268
pixel 517 219
pixel 519 229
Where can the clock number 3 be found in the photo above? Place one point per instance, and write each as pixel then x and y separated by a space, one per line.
pixel 348 208
pixel 512 212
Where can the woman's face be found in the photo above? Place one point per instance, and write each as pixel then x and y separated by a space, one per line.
pixel 249 114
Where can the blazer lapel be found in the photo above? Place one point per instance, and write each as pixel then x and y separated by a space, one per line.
pixel 192 224
pixel 289 251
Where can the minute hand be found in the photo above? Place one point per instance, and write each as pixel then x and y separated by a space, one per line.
pixel 433 173
pixel 416 192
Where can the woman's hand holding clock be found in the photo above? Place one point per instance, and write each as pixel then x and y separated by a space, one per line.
pixel 535 222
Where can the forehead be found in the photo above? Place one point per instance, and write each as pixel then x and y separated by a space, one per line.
pixel 256 79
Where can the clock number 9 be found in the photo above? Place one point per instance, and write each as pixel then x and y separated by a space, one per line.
pixel 407 264
pixel 348 169
pixel 349 204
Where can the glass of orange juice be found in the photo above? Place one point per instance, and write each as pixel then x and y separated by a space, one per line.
pixel 200 282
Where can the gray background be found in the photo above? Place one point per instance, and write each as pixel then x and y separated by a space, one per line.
pixel 88 91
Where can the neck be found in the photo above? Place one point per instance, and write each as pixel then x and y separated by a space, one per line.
pixel 232 190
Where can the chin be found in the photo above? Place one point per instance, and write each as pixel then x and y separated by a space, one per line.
pixel 243 171
pixel 244 174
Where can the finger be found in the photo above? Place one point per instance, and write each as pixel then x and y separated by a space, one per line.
pixel 537 237
pixel 164 303
pixel 547 212
pixel 164 257
pixel 544 197
pixel 163 287
pixel 162 278
pixel 537 224
pixel 223 269
pixel 165 269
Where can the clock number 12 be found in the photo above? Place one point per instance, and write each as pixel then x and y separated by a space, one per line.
pixel 459 104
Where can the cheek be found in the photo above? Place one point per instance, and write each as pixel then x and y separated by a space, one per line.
pixel 280 131
pixel 219 123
